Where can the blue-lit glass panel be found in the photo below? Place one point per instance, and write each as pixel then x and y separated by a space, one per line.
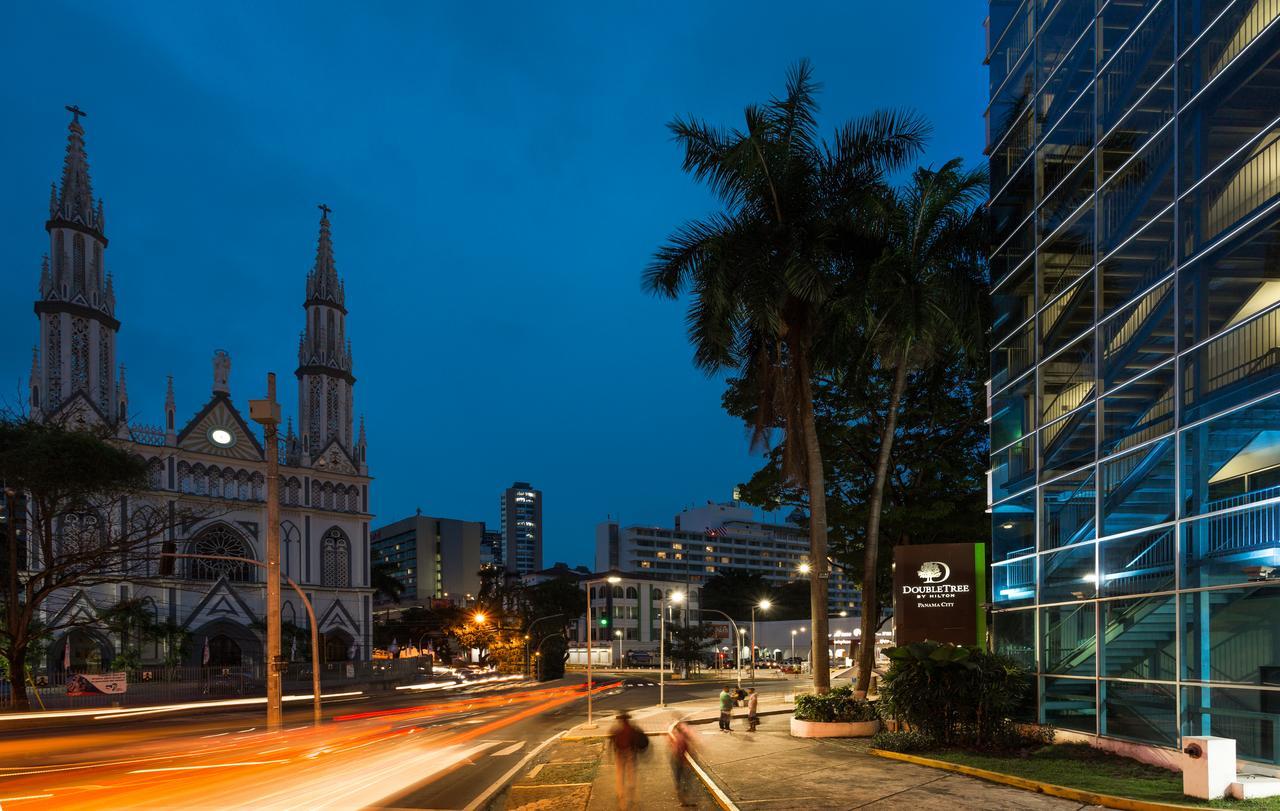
pixel 1232 634
pixel 1137 564
pixel 1141 712
pixel 1014 583
pixel 1240 546
pixel 1140 638
pixel 1013 301
pixel 1232 460
pixel 1014 635
pixel 1068 634
pixel 1068 575
pixel 1013 527
pixel 1138 488
pixel 1141 411
pixel 1068 510
pixel 1069 704
pixel 1011 416
pixel 1013 469
pixel 1249 716
pixel 1070 442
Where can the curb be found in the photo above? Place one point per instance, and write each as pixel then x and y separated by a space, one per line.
pixel 1075 794
pixel 717 793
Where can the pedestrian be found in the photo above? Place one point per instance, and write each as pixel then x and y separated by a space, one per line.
pixel 753 709
pixel 681 751
pixel 626 741
pixel 726 710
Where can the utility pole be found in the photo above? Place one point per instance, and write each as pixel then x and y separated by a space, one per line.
pixel 267 414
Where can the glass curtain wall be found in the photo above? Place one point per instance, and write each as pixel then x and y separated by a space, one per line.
pixel 1135 376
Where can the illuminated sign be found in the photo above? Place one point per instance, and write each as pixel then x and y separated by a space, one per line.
pixel 937 593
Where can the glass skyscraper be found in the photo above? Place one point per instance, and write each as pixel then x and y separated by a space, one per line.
pixel 1135 382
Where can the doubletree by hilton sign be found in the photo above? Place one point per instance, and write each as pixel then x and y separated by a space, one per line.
pixel 938 591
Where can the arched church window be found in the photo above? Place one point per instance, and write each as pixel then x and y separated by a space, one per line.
pixel 146 532
pixel 215 482
pixel 104 373
pixel 291 548
pixel 200 479
pixel 155 473
pixel 77 258
pixel 221 540
pixel 327 493
pixel 184 478
pixel 243 489
pixel 53 359
pixel 314 401
pixel 81 533
pixel 331 335
pixel 258 485
pixel 79 353
pixel 331 409
pixel 335 559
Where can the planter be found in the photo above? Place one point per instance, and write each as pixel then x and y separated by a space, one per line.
pixel 833 729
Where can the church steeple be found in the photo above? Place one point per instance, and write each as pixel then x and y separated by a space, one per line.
pixel 76 304
pixel 325 379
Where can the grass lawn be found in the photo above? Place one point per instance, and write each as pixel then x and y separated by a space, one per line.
pixel 1078 765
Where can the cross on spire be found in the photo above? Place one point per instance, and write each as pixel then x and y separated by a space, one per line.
pixel 76 112
pixel 324 209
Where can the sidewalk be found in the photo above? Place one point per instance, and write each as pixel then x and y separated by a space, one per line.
pixel 768 769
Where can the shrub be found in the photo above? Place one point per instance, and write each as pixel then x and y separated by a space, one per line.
pixel 956 696
pixel 839 706
pixel 905 742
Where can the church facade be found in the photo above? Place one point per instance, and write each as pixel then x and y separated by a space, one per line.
pixel 206 460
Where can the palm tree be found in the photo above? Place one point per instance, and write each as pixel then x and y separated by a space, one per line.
pixel 923 298
pixel 762 272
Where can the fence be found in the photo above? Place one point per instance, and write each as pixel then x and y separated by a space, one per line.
pixel 152 685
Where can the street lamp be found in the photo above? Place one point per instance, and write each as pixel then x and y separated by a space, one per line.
pixel 479 618
pixel 678 597
pixel 611 580
pixel 527 662
pixel 734 626
pixel 763 605
pixel 618 634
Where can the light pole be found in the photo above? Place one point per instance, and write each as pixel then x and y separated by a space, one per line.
pixel 677 597
pixel 618 635
pixel 527 662
pixel 267 414
pixel 735 629
pixel 763 605
pixel 611 580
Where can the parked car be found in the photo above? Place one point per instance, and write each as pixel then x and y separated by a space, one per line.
pixel 639 658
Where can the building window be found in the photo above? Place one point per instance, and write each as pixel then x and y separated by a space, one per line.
pixel 221 540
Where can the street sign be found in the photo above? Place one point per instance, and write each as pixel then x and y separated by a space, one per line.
pixel 938 592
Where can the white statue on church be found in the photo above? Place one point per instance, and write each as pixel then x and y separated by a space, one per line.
pixel 221 371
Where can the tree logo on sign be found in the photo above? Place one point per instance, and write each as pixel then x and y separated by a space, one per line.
pixel 934 571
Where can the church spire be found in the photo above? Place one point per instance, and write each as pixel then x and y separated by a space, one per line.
pixel 323 284
pixel 75 202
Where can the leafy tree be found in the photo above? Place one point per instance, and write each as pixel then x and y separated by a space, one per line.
pixel 133 621
pixel 764 273
pixel 688 644
pixel 924 297
pixel 385 584
pixel 734 591
pixel 936 493
pixel 72 481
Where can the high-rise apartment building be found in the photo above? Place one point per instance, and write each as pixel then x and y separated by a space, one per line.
pixel 521 507
pixel 714 538
pixel 1135 381
pixel 491 551
pixel 433 558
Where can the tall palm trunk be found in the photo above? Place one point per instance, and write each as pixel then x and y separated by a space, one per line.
pixel 820 660
pixel 870 595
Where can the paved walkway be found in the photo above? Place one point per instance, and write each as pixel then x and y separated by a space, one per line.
pixel 769 769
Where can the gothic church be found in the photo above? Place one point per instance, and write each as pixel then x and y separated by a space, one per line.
pixel 212 462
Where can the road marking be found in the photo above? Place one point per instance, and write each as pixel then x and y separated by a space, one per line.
pixel 269 751
pixel 215 735
pixel 250 729
pixel 510 750
pixel 26 797
pixel 487 794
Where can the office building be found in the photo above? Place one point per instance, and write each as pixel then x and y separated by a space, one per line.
pixel 491 551
pixel 1135 381
pixel 433 558
pixel 713 538
pixel 521 508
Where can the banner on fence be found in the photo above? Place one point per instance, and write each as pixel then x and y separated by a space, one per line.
pixel 103 684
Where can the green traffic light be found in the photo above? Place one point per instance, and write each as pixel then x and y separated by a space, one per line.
pixel 604 620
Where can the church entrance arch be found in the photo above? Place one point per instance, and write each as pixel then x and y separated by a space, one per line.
pixel 337 645
pixel 91 651
pixel 229 643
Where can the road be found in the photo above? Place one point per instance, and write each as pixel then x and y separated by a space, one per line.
pixel 439 749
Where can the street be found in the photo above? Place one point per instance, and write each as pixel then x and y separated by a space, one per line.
pixel 436 749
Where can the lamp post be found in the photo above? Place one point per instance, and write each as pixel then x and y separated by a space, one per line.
pixel 610 579
pixel 618 635
pixel 527 661
pixel 763 605
pixel 734 626
pixel 267 414
pixel 677 597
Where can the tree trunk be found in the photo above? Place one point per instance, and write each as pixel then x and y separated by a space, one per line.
pixel 820 660
pixel 18 676
pixel 870 567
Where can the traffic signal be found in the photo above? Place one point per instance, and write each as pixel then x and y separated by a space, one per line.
pixel 604 620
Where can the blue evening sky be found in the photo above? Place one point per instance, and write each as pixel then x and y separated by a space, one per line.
pixel 499 174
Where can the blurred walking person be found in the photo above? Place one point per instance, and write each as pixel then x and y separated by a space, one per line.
pixel 627 741
pixel 681 751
